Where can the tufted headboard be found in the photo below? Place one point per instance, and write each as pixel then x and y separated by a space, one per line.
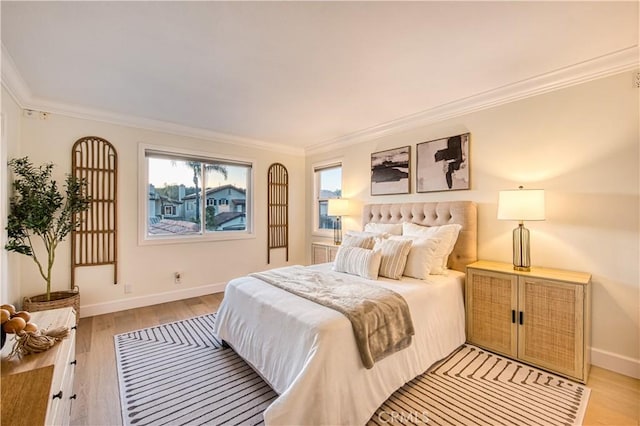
pixel 429 214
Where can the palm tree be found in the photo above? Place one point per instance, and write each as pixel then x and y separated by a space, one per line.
pixel 197 172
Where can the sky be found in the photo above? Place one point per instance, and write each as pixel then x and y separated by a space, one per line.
pixel 164 172
pixel 331 179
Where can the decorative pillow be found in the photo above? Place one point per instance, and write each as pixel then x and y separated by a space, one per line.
pixel 366 242
pixel 389 228
pixel 448 235
pixel 421 256
pixel 394 256
pixel 358 261
pixel 367 234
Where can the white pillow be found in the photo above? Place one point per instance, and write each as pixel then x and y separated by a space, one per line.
pixel 367 234
pixel 358 261
pixel 366 242
pixel 389 228
pixel 394 257
pixel 448 235
pixel 421 256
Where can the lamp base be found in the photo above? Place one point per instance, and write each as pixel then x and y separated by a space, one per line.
pixel 337 232
pixel 521 258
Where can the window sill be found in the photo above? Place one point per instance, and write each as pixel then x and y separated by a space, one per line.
pixel 219 236
pixel 326 233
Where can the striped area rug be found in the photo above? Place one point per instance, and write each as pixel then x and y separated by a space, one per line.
pixel 179 374
pixel 476 387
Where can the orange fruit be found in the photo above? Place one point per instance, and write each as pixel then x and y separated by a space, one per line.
pixel 5 315
pixel 14 325
pixel 9 307
pixel 26 316
pixel 31 327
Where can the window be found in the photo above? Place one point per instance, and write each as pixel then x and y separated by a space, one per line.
pixel 328 184
pixel 181 190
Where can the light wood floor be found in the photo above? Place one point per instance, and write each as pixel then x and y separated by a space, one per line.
pixel 615 399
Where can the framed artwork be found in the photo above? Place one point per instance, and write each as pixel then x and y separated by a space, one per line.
pixel 443 164
pixel 390 171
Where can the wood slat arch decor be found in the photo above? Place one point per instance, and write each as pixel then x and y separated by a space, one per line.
pixel 95 241
pixel 278 209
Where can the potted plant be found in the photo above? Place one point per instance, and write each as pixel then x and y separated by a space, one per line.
pixel 40 211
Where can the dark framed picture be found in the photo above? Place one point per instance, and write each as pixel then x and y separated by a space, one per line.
pixel 390 171
pixel 443 164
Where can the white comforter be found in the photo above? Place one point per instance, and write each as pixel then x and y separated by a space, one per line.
pixel 307 352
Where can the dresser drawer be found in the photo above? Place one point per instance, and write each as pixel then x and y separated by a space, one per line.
pixel 60 407
pixel 30 383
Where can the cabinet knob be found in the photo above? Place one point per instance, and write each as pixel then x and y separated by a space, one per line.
pixel 75 327
pixel 58 395
pixel 73 396
pixel 74 362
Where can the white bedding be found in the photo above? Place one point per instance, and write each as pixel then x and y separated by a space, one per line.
pixel 307 352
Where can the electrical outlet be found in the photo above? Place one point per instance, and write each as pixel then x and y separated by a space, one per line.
pixel 128 288
pixel 177 278
pixel 636 80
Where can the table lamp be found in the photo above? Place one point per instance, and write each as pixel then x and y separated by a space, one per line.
pixel 521 204
pixel 337 207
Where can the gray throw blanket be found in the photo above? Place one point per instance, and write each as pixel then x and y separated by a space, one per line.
pixel 379 317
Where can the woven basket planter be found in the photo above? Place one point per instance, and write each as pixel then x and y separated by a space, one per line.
pixel 59 299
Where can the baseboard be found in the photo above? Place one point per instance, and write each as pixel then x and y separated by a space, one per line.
pixel 151 299
pixel 615 362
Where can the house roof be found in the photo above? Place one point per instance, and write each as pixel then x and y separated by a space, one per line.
pixel 222 218
pixel 165 226
pixel 210 191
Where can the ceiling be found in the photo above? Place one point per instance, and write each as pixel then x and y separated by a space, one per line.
pixel 302 74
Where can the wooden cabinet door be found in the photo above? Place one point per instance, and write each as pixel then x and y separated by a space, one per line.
pixel 552 332
pixel 332 253
pixel 491 300
pixel 319 254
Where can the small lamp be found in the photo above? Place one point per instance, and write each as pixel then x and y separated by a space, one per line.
pixel 521 204
pixel 337 207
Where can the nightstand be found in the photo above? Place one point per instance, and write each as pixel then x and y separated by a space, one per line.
pixel 541 317
pixel 323 252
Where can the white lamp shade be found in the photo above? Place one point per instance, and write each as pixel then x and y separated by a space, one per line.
pixel 521 204
pixel 338 207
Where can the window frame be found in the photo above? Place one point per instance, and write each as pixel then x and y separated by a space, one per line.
pixel 315 168
pixel 143 189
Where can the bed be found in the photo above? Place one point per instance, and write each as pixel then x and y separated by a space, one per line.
pixel 307 352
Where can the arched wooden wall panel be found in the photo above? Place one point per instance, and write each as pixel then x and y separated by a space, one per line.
pixel 95 241
pixel 278 209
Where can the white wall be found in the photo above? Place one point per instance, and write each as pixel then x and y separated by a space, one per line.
pixel 9 148
pixel 581 145
pixel 205 267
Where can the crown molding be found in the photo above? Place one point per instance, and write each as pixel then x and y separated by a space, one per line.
pixel 158 126
pixel 606 65
pixel 20 92
pixel 12 80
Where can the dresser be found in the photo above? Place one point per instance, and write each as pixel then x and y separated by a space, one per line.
pixel 541 317
pixel 323 252
pixel 37 389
